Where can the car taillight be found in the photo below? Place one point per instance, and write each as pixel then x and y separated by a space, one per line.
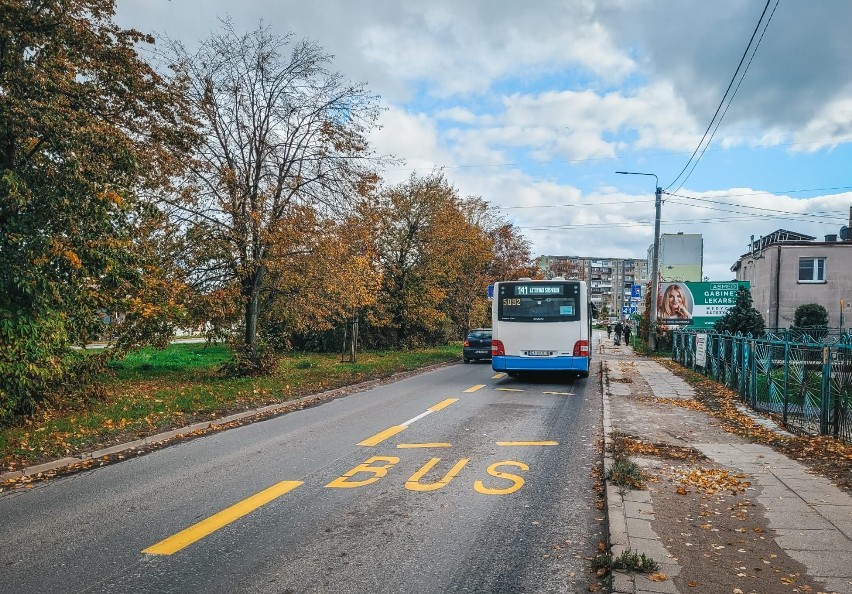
pixel 497 348
pixel 466 342
pixel 581 348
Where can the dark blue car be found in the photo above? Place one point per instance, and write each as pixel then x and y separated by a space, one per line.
pixel 477 345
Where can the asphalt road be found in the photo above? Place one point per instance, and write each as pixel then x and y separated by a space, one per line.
pixel 449 481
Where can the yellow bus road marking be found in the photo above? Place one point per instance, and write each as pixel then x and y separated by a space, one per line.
pixel 391 431
pixel 410 446
pixel 474 388
pixel 498 375
pixel 196 532
pixel 527 443
pixel 560 393
pixel 383 435
pixel 509 390
pixel 443 404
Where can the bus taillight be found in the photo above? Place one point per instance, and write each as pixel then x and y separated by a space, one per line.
pixel 497 349
pixel 581 348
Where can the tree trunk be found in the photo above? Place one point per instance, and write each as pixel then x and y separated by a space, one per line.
pixel 251 296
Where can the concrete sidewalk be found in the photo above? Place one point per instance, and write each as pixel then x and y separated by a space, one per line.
pixel 799 526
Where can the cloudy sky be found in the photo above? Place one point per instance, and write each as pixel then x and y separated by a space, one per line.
pixel 535 105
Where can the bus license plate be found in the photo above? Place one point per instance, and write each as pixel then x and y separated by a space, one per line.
pixel 539 353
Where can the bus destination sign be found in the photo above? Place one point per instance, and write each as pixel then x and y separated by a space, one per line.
pixel 538 290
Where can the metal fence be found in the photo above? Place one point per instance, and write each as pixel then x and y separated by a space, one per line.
pixel 803 380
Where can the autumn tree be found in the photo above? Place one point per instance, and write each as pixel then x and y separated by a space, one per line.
pixel 314 290
pixel 512 257
pixel 467 297
pixel 85 126
pixel 422 239
pixel 499 252
pixel 284 153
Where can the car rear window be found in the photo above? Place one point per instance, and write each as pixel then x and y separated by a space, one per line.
pixel 479 334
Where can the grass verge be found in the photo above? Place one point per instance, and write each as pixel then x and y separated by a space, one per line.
pixel 157 390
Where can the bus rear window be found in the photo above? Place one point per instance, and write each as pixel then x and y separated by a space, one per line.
pixel 538 309
pixel 538 301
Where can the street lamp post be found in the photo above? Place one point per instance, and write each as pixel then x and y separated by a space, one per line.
pixel 655 261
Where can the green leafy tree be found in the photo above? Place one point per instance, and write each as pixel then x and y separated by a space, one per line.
pixel 284 151
pixel 86 126
pixel 810 315
pixel 742 317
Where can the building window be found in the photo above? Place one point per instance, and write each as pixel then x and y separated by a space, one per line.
pixel 811 270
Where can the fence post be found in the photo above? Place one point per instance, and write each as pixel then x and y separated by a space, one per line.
pixel 786 378
pixel 825 389
pixel 752 381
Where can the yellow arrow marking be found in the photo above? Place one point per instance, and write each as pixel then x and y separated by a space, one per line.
pixel 196 532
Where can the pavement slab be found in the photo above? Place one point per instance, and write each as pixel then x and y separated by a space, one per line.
pixel 794 522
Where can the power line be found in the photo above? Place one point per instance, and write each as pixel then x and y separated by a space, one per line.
pixel 574 205
pixel 818 214
pixel 645 223
pixel 725 96
pixel 595 202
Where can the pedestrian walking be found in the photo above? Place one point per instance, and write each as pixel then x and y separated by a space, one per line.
pixel 627 330
pixel 618 330
pixel 609 330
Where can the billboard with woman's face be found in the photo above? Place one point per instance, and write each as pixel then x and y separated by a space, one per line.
pixel 695 304
pixel 674 305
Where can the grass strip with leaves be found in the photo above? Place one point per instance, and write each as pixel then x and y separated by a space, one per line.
pixel 157 390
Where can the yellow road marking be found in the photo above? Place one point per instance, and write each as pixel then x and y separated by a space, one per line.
pixel 527 443
pixel 424 445
pixel 380 437
pixel 509 390
pixel 560 393
pixel 475 388
pixel 443 404
pixel 196 532
pixel 498 375
pixel 391 431
pixel 517 481
pixel 414 484
pixel 379 471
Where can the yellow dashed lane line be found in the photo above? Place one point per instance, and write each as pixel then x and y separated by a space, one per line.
pixel 196 532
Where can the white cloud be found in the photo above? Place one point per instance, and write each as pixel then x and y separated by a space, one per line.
pixel 490 89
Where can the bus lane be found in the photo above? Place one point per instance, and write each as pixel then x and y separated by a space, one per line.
pixel 447 482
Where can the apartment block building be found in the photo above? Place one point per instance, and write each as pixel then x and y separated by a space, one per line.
pixel 681 257
pixel 610 280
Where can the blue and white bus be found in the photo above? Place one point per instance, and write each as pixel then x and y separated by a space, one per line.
pixel 541 325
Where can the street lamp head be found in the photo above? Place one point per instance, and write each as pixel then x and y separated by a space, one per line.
pixel 654 175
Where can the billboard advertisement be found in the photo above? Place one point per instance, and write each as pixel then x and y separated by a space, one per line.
pixel 697 305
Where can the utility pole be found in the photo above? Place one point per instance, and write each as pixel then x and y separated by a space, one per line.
pixel 655 260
